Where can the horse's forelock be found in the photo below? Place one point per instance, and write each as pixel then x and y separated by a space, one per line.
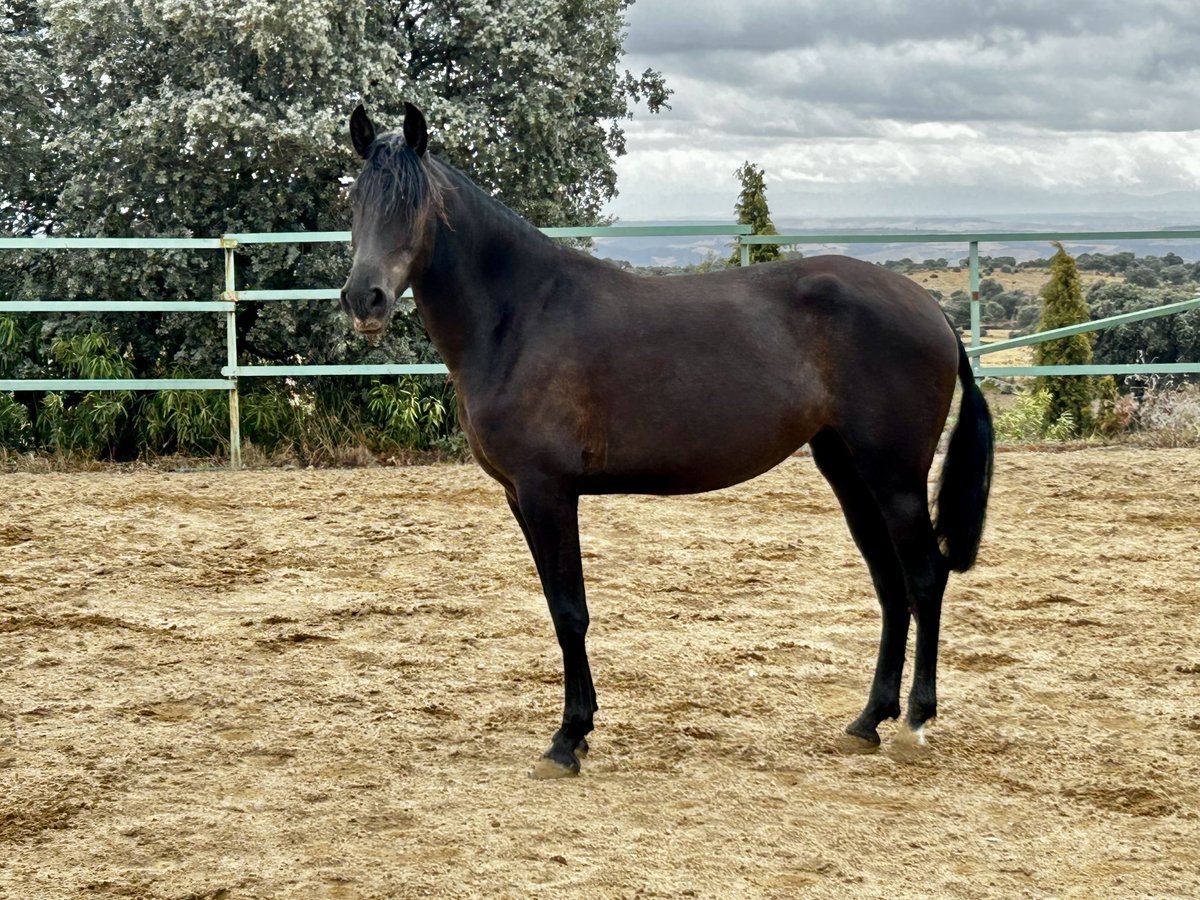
pixel 399 182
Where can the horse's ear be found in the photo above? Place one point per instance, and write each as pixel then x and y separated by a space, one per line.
pixel 362 131
pixel 416 133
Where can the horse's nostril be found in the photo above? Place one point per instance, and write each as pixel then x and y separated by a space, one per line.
pixel 378 299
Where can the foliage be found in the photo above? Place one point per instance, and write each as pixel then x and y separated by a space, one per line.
pixel 313 422
pixel 194 423
pixel 990 289
pixel 1063 304
pixel 409 413
pixel 15 430
pixel 1031 418
pixel 751 209
pixel 1027 317
pixel 92 423
pixel 1143 276
pixel 1172 338
pixel 199 117
pixel 239 106
pixel 958 307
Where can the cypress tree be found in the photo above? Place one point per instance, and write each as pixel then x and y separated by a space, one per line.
pixel 751 209
pixel 1063 304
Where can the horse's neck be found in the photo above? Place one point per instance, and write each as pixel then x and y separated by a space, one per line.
pixel 484 263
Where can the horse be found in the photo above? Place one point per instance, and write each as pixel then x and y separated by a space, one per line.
pixel 574 377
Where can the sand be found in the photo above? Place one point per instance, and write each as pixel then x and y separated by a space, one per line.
pixel 336 684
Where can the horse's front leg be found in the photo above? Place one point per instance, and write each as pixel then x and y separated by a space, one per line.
pixel 549 516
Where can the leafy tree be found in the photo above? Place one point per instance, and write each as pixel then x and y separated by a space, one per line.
pixel 958 307
pixel 992 313
pixel 1173 338
pixel 1176 274
pixel 1063 304
pixel 751 209
pixel 1026 317
pixel 1119 262
pixel 990 289
pixel 1142 275
pixel 1011 301
pixel 1092 262
pixel 198 117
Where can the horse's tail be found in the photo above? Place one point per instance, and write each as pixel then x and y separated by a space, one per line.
pixel 966 477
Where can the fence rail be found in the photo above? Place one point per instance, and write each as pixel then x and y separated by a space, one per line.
pixel 231 296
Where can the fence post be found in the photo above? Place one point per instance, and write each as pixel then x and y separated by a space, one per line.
pixel 230 294
pixel 743 252
pixel 973 265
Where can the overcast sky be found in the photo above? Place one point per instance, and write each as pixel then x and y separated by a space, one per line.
pixel 914 107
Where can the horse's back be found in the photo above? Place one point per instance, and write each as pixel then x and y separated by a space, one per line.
pixel 690 383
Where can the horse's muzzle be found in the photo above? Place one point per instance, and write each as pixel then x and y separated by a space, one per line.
pixel 370 310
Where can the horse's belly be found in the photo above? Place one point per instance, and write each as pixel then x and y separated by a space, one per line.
pixel 681 458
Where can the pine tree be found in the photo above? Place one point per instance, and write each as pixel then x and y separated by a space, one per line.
pixel 1062 305
pixel 751 209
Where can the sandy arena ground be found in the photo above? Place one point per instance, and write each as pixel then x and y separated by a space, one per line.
pixel 335 684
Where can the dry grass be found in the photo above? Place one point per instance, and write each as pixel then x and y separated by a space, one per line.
pixel 1031 281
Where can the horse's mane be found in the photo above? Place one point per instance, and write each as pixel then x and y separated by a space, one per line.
pixel 400 183
pixel 397 183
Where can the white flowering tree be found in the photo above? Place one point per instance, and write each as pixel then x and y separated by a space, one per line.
pixel 197 117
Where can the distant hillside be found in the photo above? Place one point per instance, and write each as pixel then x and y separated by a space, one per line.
pixel 687 251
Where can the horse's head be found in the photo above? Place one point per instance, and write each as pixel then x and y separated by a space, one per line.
pixel 396 201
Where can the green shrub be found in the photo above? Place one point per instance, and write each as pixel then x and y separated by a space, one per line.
pixel 1029 420
pixel 411 413
pixel 190 422
pixel 93 423
pixel 15 431
pixel 1027 317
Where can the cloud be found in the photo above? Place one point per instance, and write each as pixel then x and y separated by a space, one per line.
pixel 890 93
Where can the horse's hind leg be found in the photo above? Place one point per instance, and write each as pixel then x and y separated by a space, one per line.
pixel 905 509
pixel 870 533
pixel 927 573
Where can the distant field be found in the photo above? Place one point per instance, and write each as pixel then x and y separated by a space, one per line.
pixel 1029 280
pixel 1017 356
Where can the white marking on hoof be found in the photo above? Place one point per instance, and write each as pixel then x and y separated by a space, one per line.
pixel 546 769
pixel 910 745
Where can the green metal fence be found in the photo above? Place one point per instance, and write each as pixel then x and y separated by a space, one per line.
pixel 976 347
pixel 231 296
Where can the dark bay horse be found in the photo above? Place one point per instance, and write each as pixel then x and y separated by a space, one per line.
pixel 574 377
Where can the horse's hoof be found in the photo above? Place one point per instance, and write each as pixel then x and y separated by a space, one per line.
pixel 547 769
pixel 853 745
pixel 864 731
